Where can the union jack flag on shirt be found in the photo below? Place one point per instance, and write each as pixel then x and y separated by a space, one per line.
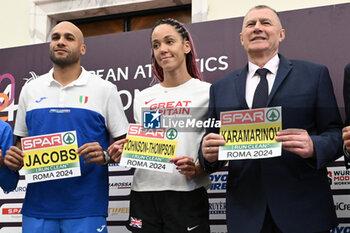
pixel 134 222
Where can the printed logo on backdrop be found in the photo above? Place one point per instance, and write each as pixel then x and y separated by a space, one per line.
pixel 217 208
pixel 340 159
pixel 116 74
pixel 18 193
pixel 119 229
pixel 120 185
pixel 339 177
pixel 11 212
pixel 114 167
pixel 341 228
pixel 118 211
pixel 7 96
pixel 218 229
pixel 218 182
pixel 342 205
pixel 11 230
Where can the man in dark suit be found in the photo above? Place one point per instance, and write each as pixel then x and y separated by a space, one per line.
pixel 346 130
pixel 289 193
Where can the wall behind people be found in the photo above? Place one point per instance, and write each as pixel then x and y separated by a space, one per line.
pixel 32 20
pixel 16 33
pixel 316 34
pixel 224 9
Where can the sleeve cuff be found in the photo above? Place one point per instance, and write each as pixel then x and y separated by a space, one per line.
pixel 346 153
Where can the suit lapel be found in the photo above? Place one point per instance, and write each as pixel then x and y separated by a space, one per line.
pixel 240 84
pixel 284 68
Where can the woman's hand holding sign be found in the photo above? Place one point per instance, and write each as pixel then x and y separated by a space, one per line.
pixel 185 165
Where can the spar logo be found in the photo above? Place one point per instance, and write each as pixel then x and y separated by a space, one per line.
pixel 68 138
pixel 42 142
pixel 171 133
pixel 273 115
pixel 218 182
pixel 11 212
pixel 242 117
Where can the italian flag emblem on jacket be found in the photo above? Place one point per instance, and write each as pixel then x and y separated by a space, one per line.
pixel 83 99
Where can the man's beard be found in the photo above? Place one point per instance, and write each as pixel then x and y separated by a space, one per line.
pixel 64 61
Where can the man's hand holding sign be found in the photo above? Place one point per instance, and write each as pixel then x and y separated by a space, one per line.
pixel 297 141
pixel 14 158
pixel 210 146
pixel 250 134
pixel 92 153
pixel 50 157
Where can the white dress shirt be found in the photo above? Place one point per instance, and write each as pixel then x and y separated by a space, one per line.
pixel 253 78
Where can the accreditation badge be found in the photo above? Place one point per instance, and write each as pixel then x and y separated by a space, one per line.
pixel 250 134
pixel 50 157
pixel 148 149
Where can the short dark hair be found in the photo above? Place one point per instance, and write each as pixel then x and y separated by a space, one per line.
pixel 258 7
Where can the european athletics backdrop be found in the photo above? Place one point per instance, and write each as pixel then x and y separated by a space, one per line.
pixel 320 35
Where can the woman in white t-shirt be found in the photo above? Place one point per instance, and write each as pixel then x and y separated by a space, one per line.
pixel 172 202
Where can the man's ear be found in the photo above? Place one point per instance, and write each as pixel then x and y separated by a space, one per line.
pixel 241 38
pixel 82 49
pixel 282 35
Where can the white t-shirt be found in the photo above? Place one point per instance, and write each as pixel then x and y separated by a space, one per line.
pixel 192 100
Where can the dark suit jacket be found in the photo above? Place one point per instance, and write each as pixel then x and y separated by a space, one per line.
pixel 295 189
pixel 346 95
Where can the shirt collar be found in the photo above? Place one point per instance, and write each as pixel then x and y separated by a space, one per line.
pixel 271 65
pixel 80 81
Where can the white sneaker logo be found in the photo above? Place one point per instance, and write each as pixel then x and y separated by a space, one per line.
pixel 101 229
pixel 192 228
